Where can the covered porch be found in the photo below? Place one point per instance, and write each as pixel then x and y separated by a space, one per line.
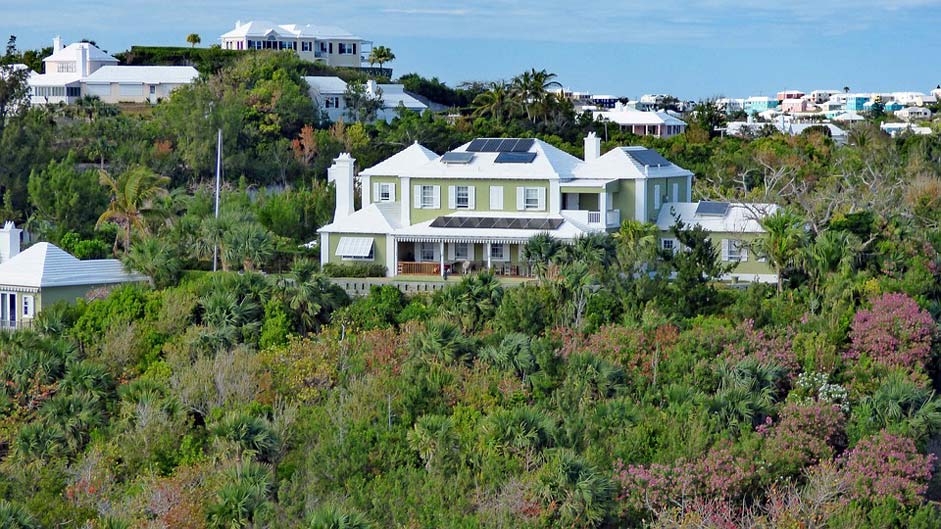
pixel 429 256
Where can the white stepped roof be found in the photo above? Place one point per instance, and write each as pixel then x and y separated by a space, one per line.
pixel 738 218
pixel 550 163
pixel 394 94
pixel 326 84
pixel 143 74
pixel 382 217
pixel 73 52
pixel 621 163
pixel 263 28
pixel 639 117
pixel 45 265
pixel 403 162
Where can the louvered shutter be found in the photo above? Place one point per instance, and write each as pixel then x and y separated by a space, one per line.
pixel 416 198
pixel 471 197
pixel 437 196
pixel 452 197
pixel 542 198
pixel 725 249
pixel 392 192
pixel 520 198
pixel 376 196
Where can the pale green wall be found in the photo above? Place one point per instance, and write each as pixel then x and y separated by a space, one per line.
pixel 665 191
pixel 623 199
pixel 379 249
pixel 385 180
pixel 481 195
pixel 751 266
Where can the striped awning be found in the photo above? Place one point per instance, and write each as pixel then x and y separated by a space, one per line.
pixel 354 247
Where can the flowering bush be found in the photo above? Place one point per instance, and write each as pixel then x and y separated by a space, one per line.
pixel 887 466
pixel 765 347
pixel 720 474
pixel 805 434
pixel 895 332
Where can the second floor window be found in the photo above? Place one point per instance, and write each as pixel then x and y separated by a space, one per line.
pixel 65 67
pixel 305 46
pixel 462 197
pixel 733 250
pixel 531 198
pixel 386 192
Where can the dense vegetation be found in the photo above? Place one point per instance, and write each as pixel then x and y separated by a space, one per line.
pixel 624 387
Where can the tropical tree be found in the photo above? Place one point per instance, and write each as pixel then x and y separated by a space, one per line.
pixel 442 341
pixel 14 85
pixel 12 516
pixel 784 239
pixel 193 39
pixel 635 244
pixel 156 259
pixel 361 104
pixel 381 55
pixel 333 517
pixel 576 494
pixel 495 103
pixel 531 92
pixel 132 195
pixel 539 251
pixel 311 295
pixel 435 440
pixel 249 243
pixel 513 353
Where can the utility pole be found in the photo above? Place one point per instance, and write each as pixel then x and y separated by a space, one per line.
pixel 215 249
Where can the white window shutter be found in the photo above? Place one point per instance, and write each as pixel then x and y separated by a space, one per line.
pixel 725 249
pixel 471 197
pixel 542 198
pixel 656 196
pixel 496 198
pixel 520 198
pixel 452 197
pixel 437 195
pixel 376 196
pixel 744 253
pixel 451 251
pixel 676 193
pixel 417 197
pixel 392 192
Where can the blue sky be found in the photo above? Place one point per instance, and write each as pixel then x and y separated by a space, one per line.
pixel 694 48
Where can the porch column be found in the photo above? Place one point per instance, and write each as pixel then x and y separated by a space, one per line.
pixel 441 257
pixel 603 206
pixel 487 249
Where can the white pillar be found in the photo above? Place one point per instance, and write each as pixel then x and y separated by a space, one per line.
pixel 441 257
pixel 405 190
pixel 392 256
pixel 603 205
pixel 324 248
pixel 640 199
pixel 487 249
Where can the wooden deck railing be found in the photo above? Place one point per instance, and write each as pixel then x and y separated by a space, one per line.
pixel 498 268
pixel 424 269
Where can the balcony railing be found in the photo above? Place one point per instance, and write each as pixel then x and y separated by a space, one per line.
pixel 423 269
pixel 499 268
pixel 611 218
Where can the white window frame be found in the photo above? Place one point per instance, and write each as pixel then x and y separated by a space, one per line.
pixel 669 245
pixel 422 247
pixel 531 198
pixel 461 194
pixel 427 199
pixel 29 307
pixel 370 257
pixel 733 250
pixel 385 192
pixel 504 254
pixel 466 251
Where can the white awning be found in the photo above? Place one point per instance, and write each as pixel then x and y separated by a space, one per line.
pixel 354 247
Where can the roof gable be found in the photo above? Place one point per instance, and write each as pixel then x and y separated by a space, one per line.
pixel 403 162
pixel 46 265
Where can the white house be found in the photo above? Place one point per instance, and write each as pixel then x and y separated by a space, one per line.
pixel 328 44
pixel 894 129
pixel 328 94
pixel 918 99
pixel 751 128
pixel 81 69
pixel 659 124
pixel 44 274
pixel 913 113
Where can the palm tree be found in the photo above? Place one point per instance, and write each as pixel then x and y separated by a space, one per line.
pixel 249 243
pixel 311 296
pixel 132 195
pixel 522 431
pixel 332 517
pixel 156 259
pixel 579 495
pixel 635 244
pixel 381 55
pixel 442 341
pixel 531 91
pixel 784 239
pixel 511 354
pixel 193 39
pixel 435 440
pixel 12 516
pixel 495 103
pixel 243 499
pixel 539 251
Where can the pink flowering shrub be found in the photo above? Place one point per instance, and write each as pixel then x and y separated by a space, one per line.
pixel 886 465
pixel 633 349
pixel 765 347
pixel 719 475
pixel 895 332
pixel 806 433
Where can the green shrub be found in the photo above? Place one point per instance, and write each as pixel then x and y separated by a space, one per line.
pixel 354 270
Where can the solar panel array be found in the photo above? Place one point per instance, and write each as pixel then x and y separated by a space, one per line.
pixel 457 157
pixel 648 157
pixel 500 145
pixel 515 157
pixel 496 223
pixel 718 209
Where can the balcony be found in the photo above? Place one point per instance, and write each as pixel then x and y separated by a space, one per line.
pixel 499 268
pixel 594 219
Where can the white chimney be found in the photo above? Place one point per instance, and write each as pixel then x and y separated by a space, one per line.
pixel 341 174
pixel 592 147
pixel 56 44
pixel 83 57
pixel 238 24
pixel 9 241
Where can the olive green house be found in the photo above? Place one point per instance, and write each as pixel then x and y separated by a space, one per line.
pixel 474 207
pixel 44 274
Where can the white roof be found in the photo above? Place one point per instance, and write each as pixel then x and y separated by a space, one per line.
pixel 73 53
pixel 53 79
pixel 143 74
pixel 639 117
pixel 326 84
pixel 403 162
pixel 848 116
pixel 262 28
pixel 738 218
pixel 381 217
pixel 394 94
pixel 620 162
pixel 550 163
pixel 46 265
